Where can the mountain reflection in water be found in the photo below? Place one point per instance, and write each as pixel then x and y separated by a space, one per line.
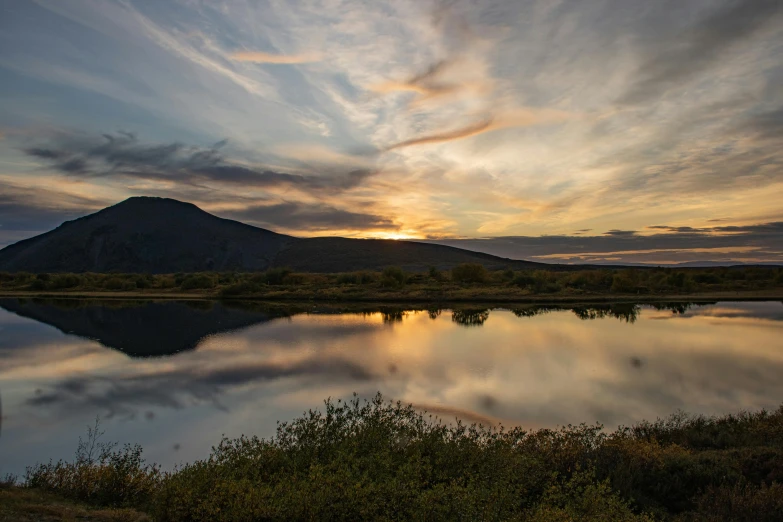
pixel 180 374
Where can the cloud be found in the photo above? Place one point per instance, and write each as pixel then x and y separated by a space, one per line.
pixel 677 59
pixel 764 125
pixel 517 118
pixel 311 217
pixel 124 155
pixel 283 59
pixel 727 244
pixel 437 82
pixel 28 210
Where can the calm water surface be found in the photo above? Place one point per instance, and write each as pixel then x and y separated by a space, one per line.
pixel 175 376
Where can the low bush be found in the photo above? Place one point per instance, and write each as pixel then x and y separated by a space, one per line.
pixel 99 475
pixel 119 283
pixel 276 276
pixel 469 273
pixel 239 289
pixel 392 277
pixel 197 282
pixel 380 460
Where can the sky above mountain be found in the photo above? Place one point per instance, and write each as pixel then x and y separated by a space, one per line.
pixel 600 131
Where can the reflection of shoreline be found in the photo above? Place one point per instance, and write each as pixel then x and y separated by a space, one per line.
pixel 159 328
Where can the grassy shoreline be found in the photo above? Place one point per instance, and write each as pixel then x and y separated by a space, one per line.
pixel 381 460
pixel 464 283
pixel 406 297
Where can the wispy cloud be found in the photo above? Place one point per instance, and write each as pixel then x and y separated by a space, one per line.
pixel 459 119
pixel 281 59
pixel 674 60
pixel 517 118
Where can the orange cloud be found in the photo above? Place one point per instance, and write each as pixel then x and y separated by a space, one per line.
pixel 283 59
pixel 519 118
pixel 431 84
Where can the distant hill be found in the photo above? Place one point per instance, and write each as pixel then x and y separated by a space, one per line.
pixel 160 235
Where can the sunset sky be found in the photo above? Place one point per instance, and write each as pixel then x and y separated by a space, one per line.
pixel 572 131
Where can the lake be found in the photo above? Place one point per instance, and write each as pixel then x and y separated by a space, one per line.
pixel 176 376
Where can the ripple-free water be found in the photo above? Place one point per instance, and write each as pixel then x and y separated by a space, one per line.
pixel 176 376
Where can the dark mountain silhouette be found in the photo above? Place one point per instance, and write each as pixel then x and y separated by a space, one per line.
pixel 338 254
pixel 159 235
pixel 140 329
pixel 150 235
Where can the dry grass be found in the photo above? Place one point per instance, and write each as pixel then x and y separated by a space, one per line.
pixel 28 505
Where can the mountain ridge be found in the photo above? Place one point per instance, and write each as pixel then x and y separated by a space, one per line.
pixel 163 235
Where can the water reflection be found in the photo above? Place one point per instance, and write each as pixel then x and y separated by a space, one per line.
pixel 236 368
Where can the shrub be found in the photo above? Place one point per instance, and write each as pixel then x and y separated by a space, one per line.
pixel 276 276
pixel 469 273
pixel 99 475
pixel 381 460
pixel 196 282
pixel 38 284
pixel 118 283
pixel 64 281
pixel 392 277
pixel 707 278
pixel 740 502
pixel 238 289
pixel 523 279
pixel 295 279
pixel 347 279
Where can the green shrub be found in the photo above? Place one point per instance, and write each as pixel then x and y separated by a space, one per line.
pixel 239 289
pixel 380 460
pixel 276 276
pixel 347 279
pixel 197 282
pixel 118 283
pixel 523 279
pixel 294 279
pixel 707 278
pixel 99 475
pixel 740 502
pixel 37 285
pixel 469 273
pixel 63 281
pixel 392 277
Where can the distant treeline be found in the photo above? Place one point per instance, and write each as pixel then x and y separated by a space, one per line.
pixel 461 280
pixel 379 460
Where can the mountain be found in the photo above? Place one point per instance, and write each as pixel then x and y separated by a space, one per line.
pixel 150 235
pixel 161 235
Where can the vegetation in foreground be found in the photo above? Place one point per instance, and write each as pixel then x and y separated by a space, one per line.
pixel 463 282
pixel 378 460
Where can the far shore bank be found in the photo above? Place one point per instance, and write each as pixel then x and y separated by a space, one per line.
pixel 404 297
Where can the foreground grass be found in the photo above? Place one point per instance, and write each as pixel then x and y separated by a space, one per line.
pixel 28 505
pixel 463 283
pixel 378 460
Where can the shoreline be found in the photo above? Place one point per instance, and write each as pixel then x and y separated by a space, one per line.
pixel 400 297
